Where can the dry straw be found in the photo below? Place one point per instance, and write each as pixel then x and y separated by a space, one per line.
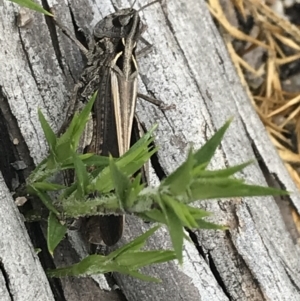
pixel 270 39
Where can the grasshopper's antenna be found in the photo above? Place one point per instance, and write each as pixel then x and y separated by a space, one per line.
pixel 146 5
pixel 131 7
pixel 115 8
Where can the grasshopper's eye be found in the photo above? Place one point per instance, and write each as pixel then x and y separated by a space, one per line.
pixel 121 21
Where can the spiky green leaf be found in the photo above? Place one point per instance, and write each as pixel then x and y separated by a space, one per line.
pixel 32 5
pixel 55 233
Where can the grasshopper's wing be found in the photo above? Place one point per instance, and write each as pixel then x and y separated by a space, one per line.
pixel 108 228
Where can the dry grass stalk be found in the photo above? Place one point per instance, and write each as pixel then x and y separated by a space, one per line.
pixel 279 110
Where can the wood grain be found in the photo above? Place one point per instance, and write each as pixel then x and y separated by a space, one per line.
pixel 256 259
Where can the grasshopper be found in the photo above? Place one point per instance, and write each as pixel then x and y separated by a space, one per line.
pixel 111 70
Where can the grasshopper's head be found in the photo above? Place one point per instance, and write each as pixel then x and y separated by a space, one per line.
pixel 117 25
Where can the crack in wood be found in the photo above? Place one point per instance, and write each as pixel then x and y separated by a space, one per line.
pixel 53 35
pixel 217 275
pixel 81 37
pixel 38 240
pixel 209 259
pixel 284 202
pixel 17 151
pixel 6 279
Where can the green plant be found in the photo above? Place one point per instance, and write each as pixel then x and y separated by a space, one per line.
pixel 168 204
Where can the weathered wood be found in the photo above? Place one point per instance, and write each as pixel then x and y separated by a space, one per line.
pixel 21 274
pixel 256 259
